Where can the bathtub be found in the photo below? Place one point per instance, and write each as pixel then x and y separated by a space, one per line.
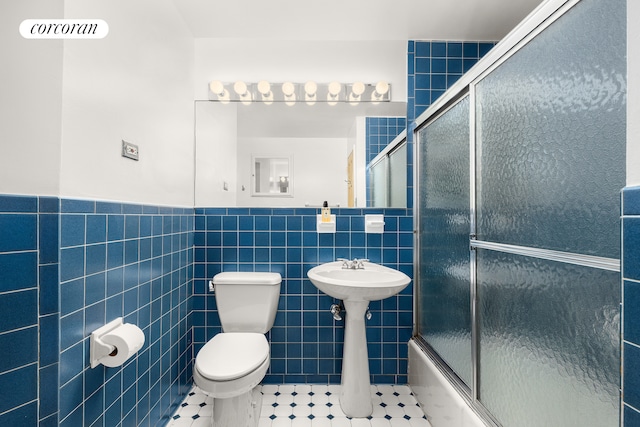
pixel 442 404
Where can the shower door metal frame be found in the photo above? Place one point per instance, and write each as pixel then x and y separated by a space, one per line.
pixel 542 17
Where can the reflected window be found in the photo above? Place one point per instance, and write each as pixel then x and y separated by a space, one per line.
pixel 271 176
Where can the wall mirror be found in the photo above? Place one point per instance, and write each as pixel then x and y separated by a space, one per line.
pixel 325 147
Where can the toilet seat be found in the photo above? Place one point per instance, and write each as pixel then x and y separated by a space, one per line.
pixel 241 358
pixel 232 355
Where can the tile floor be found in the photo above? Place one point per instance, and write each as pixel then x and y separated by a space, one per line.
pixel 302 405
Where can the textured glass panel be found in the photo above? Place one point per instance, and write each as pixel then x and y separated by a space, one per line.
pixel 379 183
pixel 551 136
pixel 445 318
pixel 549 342
pixel 398 178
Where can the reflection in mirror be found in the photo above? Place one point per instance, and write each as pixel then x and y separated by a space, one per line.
pixel 387 174
pixel 271 177
pixel 326 142
pixel 398 176
pixel 378 173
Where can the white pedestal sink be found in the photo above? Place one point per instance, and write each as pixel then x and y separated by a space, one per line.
pixel 356 287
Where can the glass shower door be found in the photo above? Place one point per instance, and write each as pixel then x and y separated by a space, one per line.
pixel 444 290
pixel 550 149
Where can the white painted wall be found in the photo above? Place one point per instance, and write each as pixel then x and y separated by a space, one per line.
pixel 31 101
pixel 136 84
pixel 633 93
pixel 319 170
pixel 253 60
pixel 216 154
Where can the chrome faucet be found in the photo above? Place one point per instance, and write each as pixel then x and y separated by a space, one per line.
pixel 355 264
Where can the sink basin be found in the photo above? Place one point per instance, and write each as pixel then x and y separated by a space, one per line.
pixel 374 282
pixel 356 287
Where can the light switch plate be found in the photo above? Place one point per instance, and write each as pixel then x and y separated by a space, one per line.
pixel 130 150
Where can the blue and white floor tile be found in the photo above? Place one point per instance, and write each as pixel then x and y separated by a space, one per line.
pixel 302 405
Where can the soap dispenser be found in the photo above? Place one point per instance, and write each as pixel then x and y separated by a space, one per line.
pixel 326 212
pixel 326 221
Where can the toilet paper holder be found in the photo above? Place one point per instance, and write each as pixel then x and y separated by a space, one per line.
pixel 99 349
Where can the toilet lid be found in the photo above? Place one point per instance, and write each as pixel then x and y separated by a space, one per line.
pixel 232 355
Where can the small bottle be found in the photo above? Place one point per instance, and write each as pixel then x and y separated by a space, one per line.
pixel 326 212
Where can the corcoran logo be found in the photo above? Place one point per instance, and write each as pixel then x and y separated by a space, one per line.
pixel 64 29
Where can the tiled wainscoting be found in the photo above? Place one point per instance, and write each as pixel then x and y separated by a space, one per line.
pixel 29 310
pixel 306 342
pixel 135 262
pixel 68 267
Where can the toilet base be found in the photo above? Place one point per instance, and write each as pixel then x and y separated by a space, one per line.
pixel 238 411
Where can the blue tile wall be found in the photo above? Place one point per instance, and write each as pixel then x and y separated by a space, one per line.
pixel 432 67
pixel 29 310
pixel 135 262
pixel 631 305
pixel 306 343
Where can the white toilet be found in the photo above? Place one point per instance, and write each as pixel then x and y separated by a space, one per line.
pixel 233 363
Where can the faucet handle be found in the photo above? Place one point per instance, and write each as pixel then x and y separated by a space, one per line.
pixel 360 262
pixel 345 262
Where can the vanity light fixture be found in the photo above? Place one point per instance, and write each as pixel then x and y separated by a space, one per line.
pixel 291 92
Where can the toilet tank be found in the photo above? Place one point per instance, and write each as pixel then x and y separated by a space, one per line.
pixel 247 301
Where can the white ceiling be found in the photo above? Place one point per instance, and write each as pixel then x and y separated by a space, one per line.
pixel 354 19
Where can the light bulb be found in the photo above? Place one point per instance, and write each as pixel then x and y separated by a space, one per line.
pixel 217 87
pixel 288 88
pixel 357 88
pixel 382 87
pixel 240 87
pixel 264 87
pixel 334 88
pixel 310 88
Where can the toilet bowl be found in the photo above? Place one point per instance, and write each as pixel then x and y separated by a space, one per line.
pixel 234 362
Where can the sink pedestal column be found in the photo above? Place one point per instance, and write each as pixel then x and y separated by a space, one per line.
pixel 355 396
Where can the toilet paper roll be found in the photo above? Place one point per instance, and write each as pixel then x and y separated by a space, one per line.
pixel 127 340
